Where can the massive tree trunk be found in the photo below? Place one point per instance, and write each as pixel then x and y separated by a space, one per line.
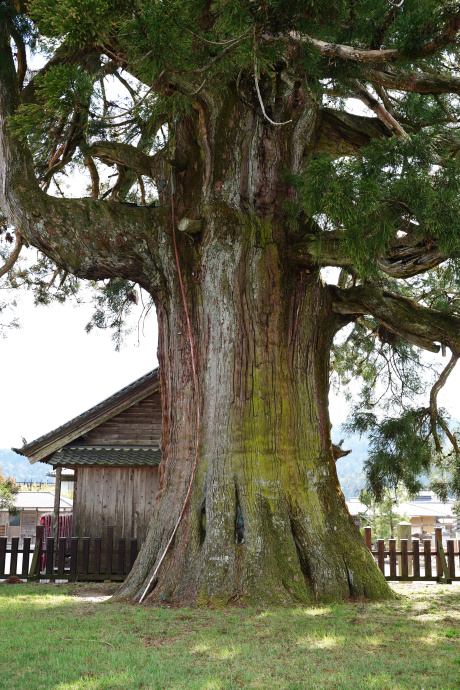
pixel 266 518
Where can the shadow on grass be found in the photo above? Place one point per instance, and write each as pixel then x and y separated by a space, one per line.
pixel 55 639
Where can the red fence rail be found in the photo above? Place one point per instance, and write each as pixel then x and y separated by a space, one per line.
pixel 82 559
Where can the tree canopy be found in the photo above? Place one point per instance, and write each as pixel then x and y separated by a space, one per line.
pixel 372 191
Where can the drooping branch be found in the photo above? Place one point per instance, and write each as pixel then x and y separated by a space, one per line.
pixel 421 326
pixel 434 404
pixel 8 265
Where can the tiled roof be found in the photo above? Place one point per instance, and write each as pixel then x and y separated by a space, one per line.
pixel 107 456
pixel 41 448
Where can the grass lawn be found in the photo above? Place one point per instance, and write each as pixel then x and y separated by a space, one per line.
pixel 70 637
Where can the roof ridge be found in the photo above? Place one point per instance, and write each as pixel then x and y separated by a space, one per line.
pixel 87 413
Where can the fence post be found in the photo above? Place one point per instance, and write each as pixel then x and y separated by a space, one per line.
pixel 109 552
pixel 437 539
pixel 3 542
pixel 121 557
pixel 85 556
pixel 25 556
pixel 404 559
pixel 132 553
pixel 14 555
pixel 97 555
pixel 35 565
pixel 392 549
pixel 381 554
pixel 50 556
pixel 451 557
pixel 368 537
pixel 61 555
pixel 416 557
pixel 427 554
pixel 73 555
pixel 403 531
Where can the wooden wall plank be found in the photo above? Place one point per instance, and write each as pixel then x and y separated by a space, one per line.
pixel 138 425
pixel 120 496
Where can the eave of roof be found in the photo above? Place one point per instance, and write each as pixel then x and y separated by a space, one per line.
pixel 76 456
pixel 42 448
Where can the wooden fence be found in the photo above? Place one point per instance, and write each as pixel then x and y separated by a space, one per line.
pixel 73 559
pixel 406 564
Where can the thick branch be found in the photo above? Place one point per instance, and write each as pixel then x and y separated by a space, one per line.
pixel 417 82
pixel 114 152
pixel 344 52
pixel 21 55
pixel 407 257
pixel 418 325
pixel 85 237
pixel 342 134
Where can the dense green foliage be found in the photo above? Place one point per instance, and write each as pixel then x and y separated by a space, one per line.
pixel 8 491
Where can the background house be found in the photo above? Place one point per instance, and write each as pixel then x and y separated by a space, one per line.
pixel 32 504
pixel 425 512
pixel 113 451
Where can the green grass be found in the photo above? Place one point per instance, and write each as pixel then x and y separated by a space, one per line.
pixel 53 637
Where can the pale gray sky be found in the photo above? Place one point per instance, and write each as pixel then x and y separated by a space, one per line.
pixel 51 370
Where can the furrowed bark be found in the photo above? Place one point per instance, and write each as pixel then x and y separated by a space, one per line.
pixel 266 521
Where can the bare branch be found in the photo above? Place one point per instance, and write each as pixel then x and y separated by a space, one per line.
pixel 368 99
pixel 13 256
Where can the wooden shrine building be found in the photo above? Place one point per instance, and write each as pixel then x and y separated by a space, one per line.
pixel 114 450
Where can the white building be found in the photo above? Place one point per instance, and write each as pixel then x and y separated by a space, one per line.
pixel 425 512
pixel 32 504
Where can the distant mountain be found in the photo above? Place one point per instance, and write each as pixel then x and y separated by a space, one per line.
pixel 350 468
pixel 16 466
